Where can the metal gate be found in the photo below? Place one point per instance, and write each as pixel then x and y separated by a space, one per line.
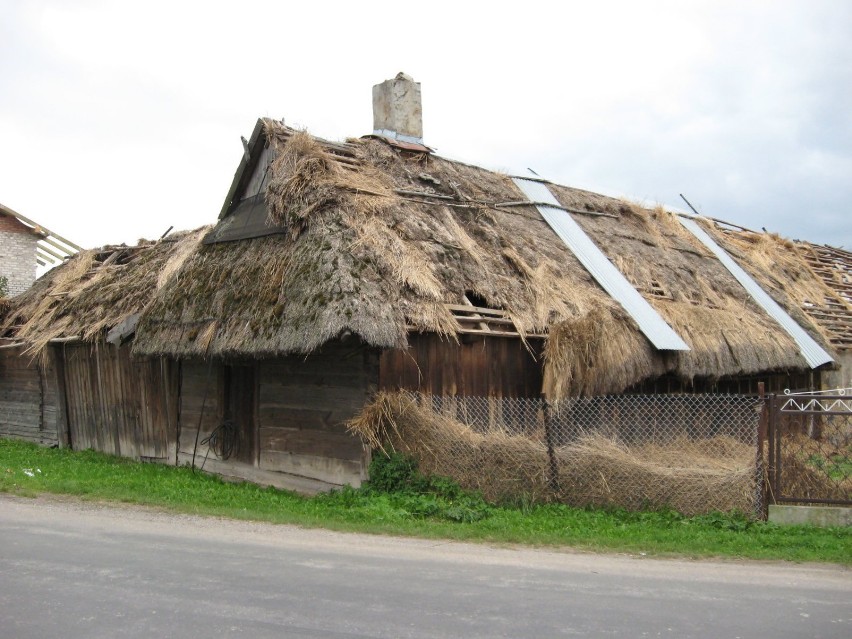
pixel 810 447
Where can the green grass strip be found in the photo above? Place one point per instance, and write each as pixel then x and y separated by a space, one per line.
pixel 29 470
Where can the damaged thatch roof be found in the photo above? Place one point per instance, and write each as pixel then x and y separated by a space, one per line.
pixel 96 290
pixel 377 241
pixel 813 283
pixel 319 240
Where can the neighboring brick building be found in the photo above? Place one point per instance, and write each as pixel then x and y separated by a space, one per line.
pixel 24 245
pixel 17 255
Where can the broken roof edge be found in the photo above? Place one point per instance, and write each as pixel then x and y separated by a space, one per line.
pixel 252 150
pixel 96 290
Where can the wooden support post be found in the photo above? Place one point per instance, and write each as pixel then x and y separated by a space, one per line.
pixel 63 427
pixel 553 479
pixel 482 325
pixel 762 434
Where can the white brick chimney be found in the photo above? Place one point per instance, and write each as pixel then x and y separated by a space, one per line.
pixel 397 109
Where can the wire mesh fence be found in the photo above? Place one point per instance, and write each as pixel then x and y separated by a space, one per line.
pixel 692 453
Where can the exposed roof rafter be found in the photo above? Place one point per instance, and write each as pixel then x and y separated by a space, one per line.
pixel 52 248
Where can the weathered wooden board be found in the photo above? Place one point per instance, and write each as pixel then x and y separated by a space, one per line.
pixel 200 400
pixel 303 404
pixel 483 367
pixel 241 410
pixel 119 404
pixel 337 445
pixel 239 471
pixel 27 398
pixel 336 472
pixel 277 401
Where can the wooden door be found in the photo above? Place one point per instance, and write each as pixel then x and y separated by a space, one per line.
pixel 239 411
pixel 118 404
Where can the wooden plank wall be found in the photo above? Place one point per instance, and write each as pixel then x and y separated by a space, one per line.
pixel 476 367
pixel 52 426
pixel 119 404
pixel 303 403
pixel 27 398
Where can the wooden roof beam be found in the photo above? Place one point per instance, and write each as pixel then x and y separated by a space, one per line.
pixel 44 249
pixel 56 245
pixel 40 228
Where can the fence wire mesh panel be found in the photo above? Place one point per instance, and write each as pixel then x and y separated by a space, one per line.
pixel 810 452
pixel 692 453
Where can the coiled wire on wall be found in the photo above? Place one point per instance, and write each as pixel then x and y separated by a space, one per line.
pixel 223 441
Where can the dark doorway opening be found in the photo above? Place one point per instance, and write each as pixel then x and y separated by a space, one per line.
pixel 238 413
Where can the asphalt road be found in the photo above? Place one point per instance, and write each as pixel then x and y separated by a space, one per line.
pixel 76 570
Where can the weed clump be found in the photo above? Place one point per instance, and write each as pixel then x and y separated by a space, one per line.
pixel 398 477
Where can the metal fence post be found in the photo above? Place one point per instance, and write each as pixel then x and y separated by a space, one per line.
pixel 774 446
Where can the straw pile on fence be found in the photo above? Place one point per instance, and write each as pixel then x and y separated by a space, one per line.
pixel 691 476
pixel 499 465
pixel 683 475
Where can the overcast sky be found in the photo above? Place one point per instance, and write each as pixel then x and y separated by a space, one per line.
pixel 120 119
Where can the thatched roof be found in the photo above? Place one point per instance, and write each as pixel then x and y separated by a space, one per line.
pixel 369 239
pixel 96 290
pixel 377 241
pixel 813 283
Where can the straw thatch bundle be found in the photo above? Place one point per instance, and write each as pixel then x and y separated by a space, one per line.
pixel 691 476
pixel 579 356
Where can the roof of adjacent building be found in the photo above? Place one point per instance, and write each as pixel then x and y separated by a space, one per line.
pixel 51 248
